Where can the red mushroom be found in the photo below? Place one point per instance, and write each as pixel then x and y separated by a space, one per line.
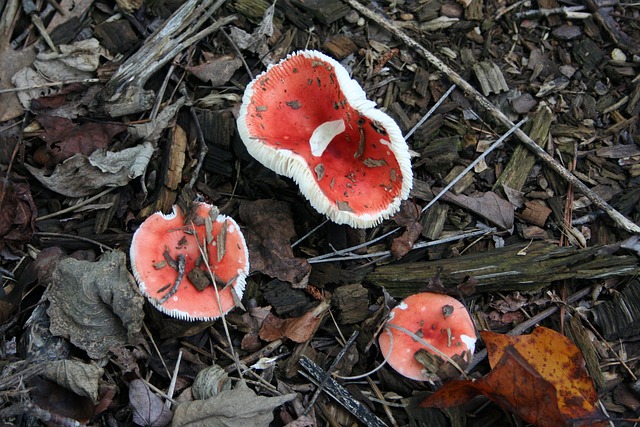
pixel 438 319
pixel 305 118
pixel 168 266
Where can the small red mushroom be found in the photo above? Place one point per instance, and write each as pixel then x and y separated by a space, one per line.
pixel 168 266
pixel 438 319
pixel 305 118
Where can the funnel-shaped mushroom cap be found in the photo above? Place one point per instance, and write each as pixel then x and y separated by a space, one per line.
pixel 164 242
pixel 438 319
pixel 305 118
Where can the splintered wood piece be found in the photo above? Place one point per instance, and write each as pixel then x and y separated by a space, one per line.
pixel 511 268
pixel 340 46
pixel 176 154
pixel 620 317
pixel 433 221
pixel 522 160
pixel 535 213
pixel 490 78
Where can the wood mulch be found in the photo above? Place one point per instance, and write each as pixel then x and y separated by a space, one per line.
pixel 543 230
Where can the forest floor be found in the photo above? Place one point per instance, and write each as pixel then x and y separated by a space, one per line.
pixel 524 208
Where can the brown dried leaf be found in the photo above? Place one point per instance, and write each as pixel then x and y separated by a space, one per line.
pixel 490 206
pixel 65 138
pixel 403 244
pixel 268 234
pixel 216 70
pixel 298 329
pixel 17 215
pixel 541 377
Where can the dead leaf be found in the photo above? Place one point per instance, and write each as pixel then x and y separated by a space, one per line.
pixel 81 378
pixel 239 407
pixel 269 241
pixel 101 169
pixel 216 70
pixel 11 61
pixel 95 304
pixel 75 61
pixel 541 377
pixel 408 217
pixel 18 214
pixel 65 138
pixel 59 400
pixel 257 41
pixel 490 206
pixel 298 329
pixel 147 408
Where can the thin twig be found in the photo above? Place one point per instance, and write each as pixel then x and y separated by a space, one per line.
pixel 430 112
pixel 74 207
pixel 418 245
pixel 474 163
pixel 302 239
pixel 72 237
pixel 204 253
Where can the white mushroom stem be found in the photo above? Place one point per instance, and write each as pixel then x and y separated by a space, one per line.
pixel 324 134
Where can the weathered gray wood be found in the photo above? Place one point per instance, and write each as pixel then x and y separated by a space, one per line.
pixel 516 267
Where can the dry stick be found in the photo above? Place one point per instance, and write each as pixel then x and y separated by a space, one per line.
pixel 174 378
pixel 499 117
pixel 202 143
pixel 102 246
pixel 327 375
pixel 205 255
pixel 74 207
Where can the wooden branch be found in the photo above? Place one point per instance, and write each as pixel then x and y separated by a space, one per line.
pixel 499 117
pixel 516 267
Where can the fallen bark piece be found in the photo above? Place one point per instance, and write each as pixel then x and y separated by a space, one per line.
pixel 517 267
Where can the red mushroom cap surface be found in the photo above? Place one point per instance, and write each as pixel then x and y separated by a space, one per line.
pixel 305 118
pixel 440 320
pixel 162 239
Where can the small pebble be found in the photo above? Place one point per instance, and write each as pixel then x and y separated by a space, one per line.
pixel 601 88
pixel 618 55
pixel 352 17
pixel 451 10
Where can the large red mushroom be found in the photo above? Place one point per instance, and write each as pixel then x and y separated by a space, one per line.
pixel 440 320
pixel 167 262
pixel 305 118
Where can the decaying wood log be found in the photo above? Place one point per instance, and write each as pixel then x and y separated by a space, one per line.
pixel 511 268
